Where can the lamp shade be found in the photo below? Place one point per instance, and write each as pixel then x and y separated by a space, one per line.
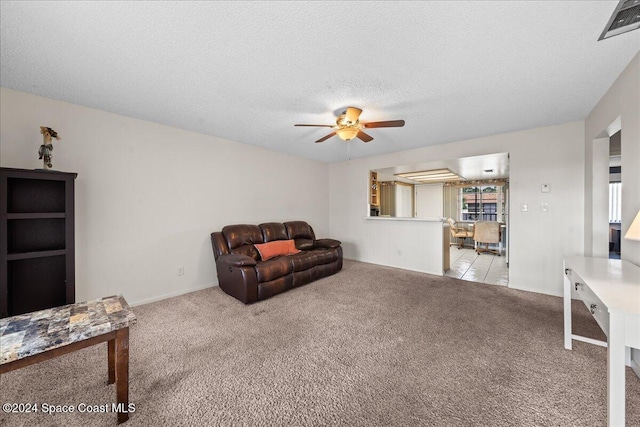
pixel 347 133
pixel 633 233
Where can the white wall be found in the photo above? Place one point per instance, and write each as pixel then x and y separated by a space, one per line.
pixel 429 200
pixel 409 243
pixel 538 241
pixel 404 201
pixel 621 102
pixel 148 196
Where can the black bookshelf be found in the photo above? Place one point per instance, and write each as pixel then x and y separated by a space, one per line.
pixel 37 243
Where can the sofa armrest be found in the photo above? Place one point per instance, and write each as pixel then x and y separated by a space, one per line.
pixel 237 278
pixel 237 260
pixel 327 243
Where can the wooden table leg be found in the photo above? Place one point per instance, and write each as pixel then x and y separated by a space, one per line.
pixel 122 373
pixel 111 354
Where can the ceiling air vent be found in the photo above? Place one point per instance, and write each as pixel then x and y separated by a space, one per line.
pixel 625 18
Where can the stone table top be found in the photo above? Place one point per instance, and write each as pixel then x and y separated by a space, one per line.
pixel 28 334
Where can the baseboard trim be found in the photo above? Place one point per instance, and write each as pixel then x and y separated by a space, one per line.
pixel 433 273
pixel 170 295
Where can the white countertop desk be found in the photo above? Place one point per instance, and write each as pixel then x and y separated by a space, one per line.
pixel 610 289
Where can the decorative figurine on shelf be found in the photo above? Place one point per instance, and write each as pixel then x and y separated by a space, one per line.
pixel 46 148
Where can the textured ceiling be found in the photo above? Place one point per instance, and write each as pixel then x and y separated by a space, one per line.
pixel 247 71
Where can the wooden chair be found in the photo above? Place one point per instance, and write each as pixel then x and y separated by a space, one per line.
pixel 458 233
pixel 486 232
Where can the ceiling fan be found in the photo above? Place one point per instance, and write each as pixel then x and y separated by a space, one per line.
pixel 348 126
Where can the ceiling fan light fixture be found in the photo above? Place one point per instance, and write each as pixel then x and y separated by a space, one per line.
pixel 348 126
pixel 347 134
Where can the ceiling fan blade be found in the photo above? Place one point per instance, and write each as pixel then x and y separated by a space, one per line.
pixel 387 124
pixel 352 114
pixel 363 136
pixel 326 137
pixel 322 126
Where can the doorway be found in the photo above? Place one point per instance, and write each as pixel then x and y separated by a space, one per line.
pixel 615 194
pixel 602 225
pixel 480 201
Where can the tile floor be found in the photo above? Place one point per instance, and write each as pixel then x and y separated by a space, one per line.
pixel 483 268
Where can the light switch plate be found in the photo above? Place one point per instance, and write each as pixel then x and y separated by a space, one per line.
pixel 524 207
pixel 545 188
pixel 544 207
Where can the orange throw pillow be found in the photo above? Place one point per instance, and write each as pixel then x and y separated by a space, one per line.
pixel 276 248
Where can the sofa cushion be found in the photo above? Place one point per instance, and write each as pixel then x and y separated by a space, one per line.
pixel 303 277
pixel 324 270
pixel 273 287
pixel 303 260
pixel 325 256
pixel 276 248
pixel 302 233
pixel 304 244
pixel 247 250
pixel 299 230
pixel 273 231
pixel 241 238
pixel 274 268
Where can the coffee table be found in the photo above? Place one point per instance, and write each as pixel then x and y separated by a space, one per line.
pixel 30 338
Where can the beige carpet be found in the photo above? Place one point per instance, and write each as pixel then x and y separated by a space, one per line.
pixel 368 346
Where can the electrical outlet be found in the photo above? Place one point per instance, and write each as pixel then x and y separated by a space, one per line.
pixel 544 207
pixel 524 207
pixel 181 270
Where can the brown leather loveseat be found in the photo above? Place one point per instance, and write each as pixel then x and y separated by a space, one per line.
pixel 243 274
